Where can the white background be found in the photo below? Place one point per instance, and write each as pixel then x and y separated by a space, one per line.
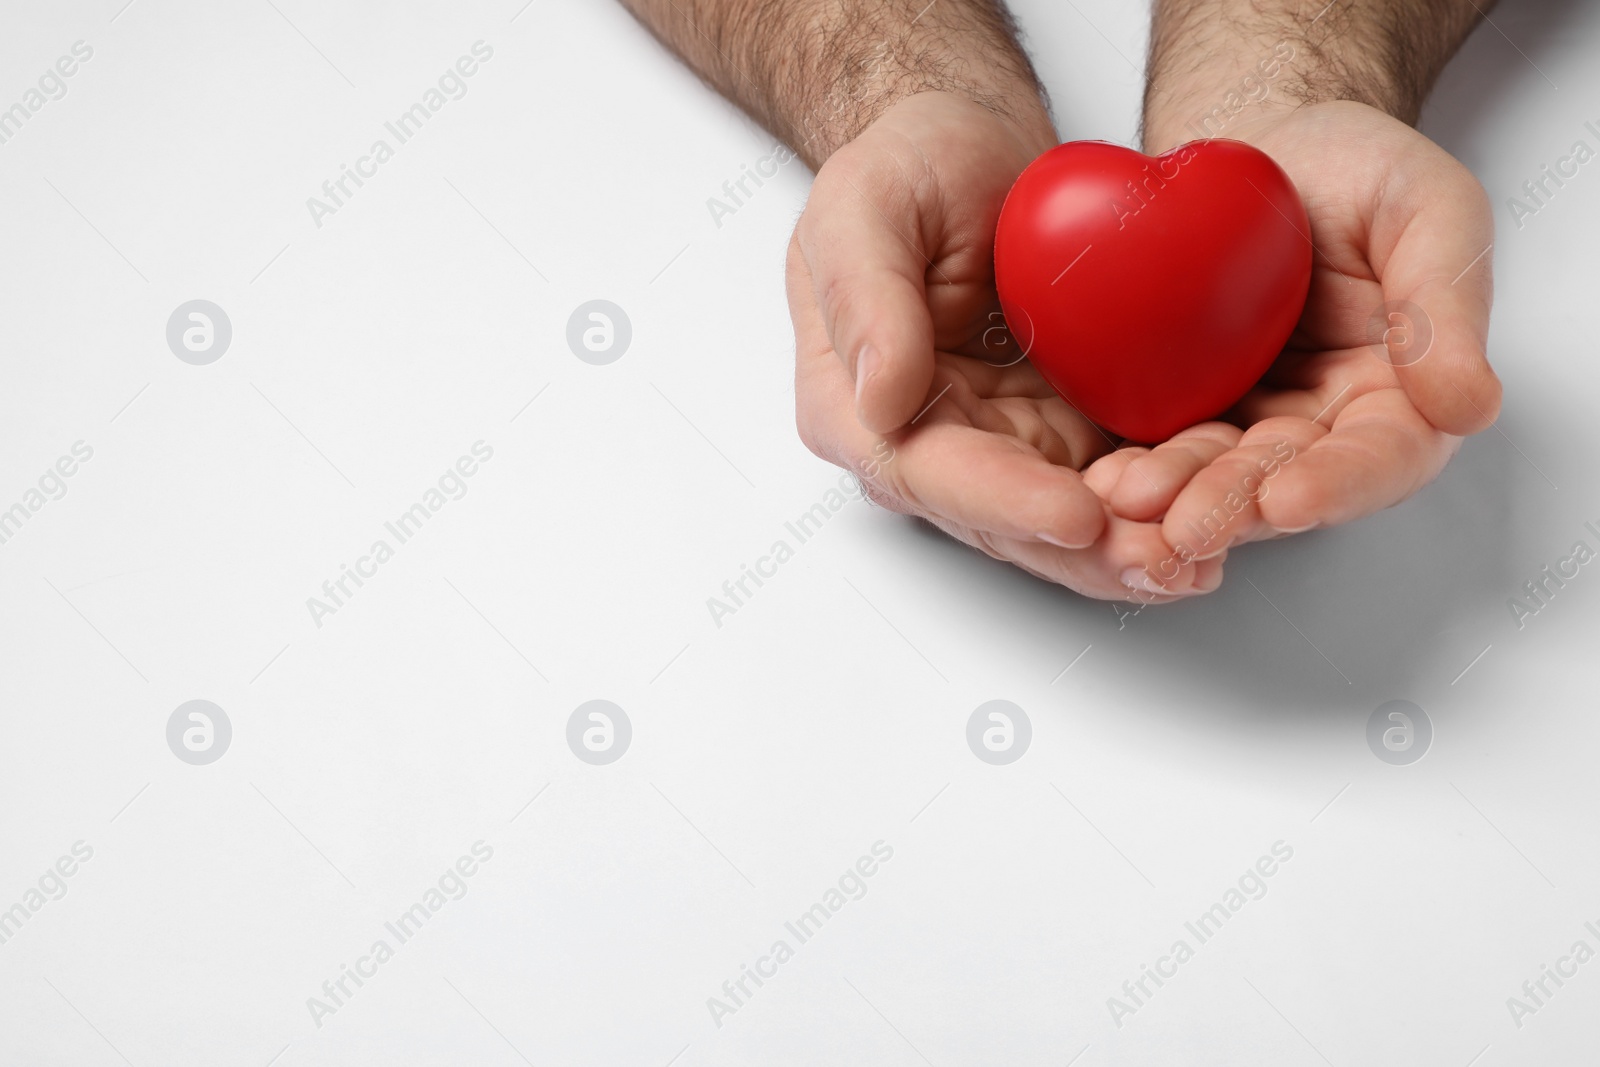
pixel 768 754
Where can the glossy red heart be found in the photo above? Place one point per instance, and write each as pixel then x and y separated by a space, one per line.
pixel 1152 291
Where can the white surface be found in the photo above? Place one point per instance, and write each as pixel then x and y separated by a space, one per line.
pixel 768 755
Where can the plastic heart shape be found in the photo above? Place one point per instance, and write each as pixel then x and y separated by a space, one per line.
pixel 1152 291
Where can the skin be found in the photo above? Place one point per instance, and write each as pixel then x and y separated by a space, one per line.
pixel 894 254
pixel 1393 218
pixel 919 117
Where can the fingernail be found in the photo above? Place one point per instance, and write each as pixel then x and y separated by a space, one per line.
pixel 1139 578
pixel 1209 581
pixel 1050 540
pixel 866 366
pixel 1299 529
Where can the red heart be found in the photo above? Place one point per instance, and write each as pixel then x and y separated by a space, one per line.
pixel 1152 292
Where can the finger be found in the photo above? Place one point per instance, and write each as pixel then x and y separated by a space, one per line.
pixel 1123 565
pixel 1221 505
pixel 1432 240
pixel 1149 483
pixel 1208 574
pixel 858 236
pixel 995 484
pixel 985 481
pixel 1102 474
pixel 1130 562
pixel 1379 452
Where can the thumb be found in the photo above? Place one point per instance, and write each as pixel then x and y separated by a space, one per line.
pixel 867 273
pixel 1438 287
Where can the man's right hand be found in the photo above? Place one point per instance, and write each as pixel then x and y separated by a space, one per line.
pixel 906 376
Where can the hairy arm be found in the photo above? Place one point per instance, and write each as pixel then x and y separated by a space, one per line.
pixel 818 72
pixel 1282 54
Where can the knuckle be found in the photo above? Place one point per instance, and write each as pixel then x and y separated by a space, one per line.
pixel 894 491
pixel 840 296
pixel 881 497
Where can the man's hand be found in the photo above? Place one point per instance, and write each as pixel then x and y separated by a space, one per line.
pixel 906 376
pixel 1401 235
pixel 918 118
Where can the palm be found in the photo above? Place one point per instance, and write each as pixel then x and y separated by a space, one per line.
pixel 1336 357
pixel 901 352
pixel 1399 231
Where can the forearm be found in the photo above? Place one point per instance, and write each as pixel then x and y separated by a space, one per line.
pixel 1213 60
pixel 818 72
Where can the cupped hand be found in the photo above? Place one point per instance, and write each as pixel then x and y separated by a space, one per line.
pixel 905 375
pixel 1384 375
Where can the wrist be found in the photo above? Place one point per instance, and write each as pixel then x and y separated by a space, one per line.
pixel 1263 59
pixel 853 60
pixel 818 131
pixel 1250 85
